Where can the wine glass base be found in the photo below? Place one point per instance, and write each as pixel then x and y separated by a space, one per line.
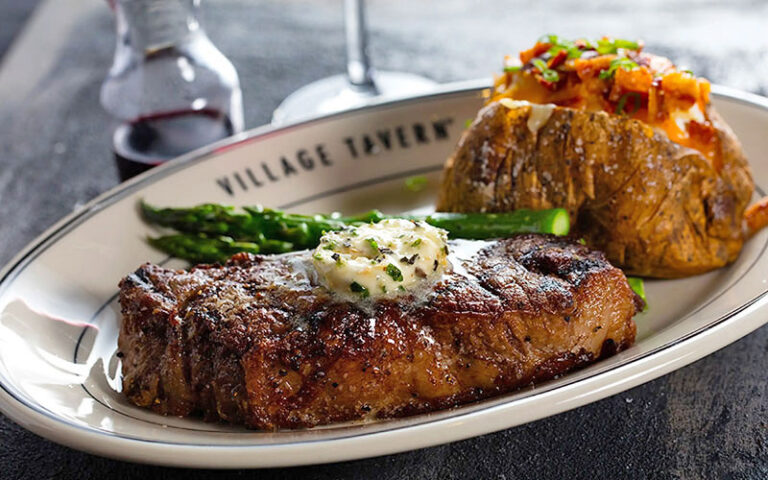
pixel 336 94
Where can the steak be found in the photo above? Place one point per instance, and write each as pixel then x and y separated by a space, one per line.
pixel 259 342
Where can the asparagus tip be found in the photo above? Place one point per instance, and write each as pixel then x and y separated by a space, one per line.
pixel 561 222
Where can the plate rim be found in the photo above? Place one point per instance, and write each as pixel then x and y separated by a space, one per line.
pixel 55 428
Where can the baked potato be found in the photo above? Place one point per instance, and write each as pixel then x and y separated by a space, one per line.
pixel 647 169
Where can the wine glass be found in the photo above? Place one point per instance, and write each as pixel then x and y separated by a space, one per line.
pixel 358 87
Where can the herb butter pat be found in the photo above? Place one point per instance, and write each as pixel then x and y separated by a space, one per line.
pixel 385 259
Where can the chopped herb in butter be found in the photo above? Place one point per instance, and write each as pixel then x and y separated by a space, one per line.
pixel 382 259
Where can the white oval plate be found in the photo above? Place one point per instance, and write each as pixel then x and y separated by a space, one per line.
pixel 59 317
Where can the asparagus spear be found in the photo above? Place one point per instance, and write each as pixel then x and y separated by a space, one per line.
pixel 480 226
pixel 199 248
pixel 258 224
pixel 209 230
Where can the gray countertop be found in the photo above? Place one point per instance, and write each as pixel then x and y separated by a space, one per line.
pixel 707 420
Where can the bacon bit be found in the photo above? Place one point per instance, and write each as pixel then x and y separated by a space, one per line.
pixel 653 102
pixel 544 83
pixel 673 103
pixel 637 80
pixel 581 44
pixel 757 216
pixel 558 59
pixel 703 137
pixel 704 133
pixel 587 68
pixel 528 55
pixel 680 84
pixel 665 91
pixel 614 94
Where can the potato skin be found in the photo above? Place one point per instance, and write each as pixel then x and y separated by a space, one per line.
pixel 656 209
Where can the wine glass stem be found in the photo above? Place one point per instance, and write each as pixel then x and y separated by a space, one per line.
pixel 358 64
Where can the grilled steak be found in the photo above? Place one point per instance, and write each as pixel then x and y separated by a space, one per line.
pixel 258 342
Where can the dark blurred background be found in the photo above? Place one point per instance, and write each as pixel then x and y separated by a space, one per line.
pixel 709 420
pixel 14 15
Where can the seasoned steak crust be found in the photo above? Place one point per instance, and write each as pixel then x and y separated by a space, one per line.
pixel 258 342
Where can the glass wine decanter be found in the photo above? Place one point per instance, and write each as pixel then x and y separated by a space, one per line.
pixel 169 89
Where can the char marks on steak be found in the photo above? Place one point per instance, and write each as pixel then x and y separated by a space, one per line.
pixel 258 342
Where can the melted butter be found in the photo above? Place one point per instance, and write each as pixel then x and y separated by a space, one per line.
pixel 385 259
pixel 463 251
pixel 539 113
pixel 300 273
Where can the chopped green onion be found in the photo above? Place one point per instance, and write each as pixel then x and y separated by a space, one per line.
pixel 512 68
pixel 626 44
pixel 574 52
pixel 549 38
pixel 540 64
pixel 637 99
pixel 357 288
pixel 560 44
pixel 602 46
pixel 616 63
pixel 395 273
pixel 606 46
pixel 547 73
pixel 550 76
pixel 374 245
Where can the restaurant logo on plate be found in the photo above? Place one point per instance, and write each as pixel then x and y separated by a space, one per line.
pixel 307 159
